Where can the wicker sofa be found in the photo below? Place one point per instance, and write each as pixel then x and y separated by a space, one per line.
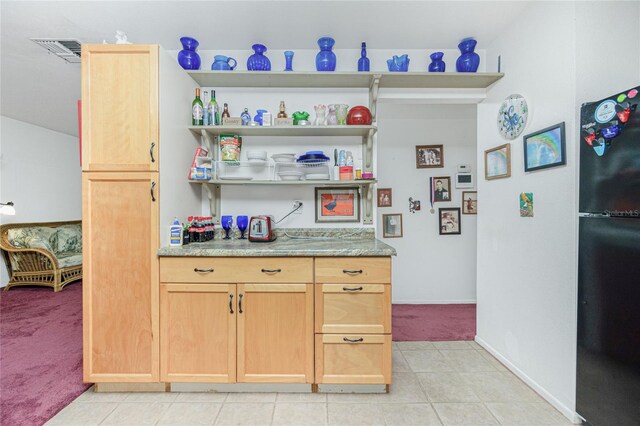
pixel 45 254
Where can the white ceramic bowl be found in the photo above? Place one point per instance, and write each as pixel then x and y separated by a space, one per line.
pixel 257 155
pixel 284 158
pixel 290 175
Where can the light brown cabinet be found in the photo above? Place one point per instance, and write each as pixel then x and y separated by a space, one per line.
pixel 120 107
pixel 198 329
pixel 120 292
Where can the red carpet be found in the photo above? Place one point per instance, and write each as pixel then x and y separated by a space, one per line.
pixel 434 322
pixel 40 353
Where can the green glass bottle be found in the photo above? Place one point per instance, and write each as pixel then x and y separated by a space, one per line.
pixel 197 111
pixel 214 110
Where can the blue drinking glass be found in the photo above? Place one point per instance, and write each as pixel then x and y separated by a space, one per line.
pixel 242 222
pixel 227 223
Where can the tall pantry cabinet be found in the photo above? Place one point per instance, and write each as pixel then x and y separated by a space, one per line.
pixel 120 212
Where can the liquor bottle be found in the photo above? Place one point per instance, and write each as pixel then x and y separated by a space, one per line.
pixel 282 114
pixel 197 110
pixel 214 112
pixel 225 113
pixel 205 109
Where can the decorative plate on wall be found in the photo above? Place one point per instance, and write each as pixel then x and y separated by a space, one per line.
pixel 512 116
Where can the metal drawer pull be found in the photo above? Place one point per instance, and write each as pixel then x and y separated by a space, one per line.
pixel 346 339
pixel 153 160
pixel 352 289
pixel 153 187
pixel 271 271
pixel 352 271
pixel 240 303
pixel 231 303
pixel 202 270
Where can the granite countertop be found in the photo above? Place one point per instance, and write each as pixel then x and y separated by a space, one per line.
pixel 291 242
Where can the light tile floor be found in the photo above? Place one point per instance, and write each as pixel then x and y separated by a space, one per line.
pixel 435 383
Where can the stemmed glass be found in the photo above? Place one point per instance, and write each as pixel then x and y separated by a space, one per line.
pixel 242 222
pixel 227 223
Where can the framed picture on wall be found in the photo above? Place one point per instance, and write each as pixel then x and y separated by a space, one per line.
pixel 392 225
pixel 441 189
pixel 337 205
pixel 384 197
pixel 545 148
pixel 497 162
pixel 449 221
pixel 429 156
pixel 469 202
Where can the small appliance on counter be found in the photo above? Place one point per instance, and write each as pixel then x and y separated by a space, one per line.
pixel 261 229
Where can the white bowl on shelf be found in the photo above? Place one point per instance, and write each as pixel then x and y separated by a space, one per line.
pixel 284 158
pixel 290 175
pixel 257 155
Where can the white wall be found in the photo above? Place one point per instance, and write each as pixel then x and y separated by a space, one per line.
pixel 430 268
pixel 40 172
pixel 557 55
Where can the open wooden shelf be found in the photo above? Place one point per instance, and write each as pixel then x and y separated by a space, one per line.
pixel 286 130
pixel 286 182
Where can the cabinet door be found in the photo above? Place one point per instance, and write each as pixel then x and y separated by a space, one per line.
pixel 120 277
pixel 198 332
pixel 119 107
pixel 349 358
pixel 275 333
pixel 353 308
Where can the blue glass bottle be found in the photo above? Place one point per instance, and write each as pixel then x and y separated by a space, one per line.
pixel 363 62
pixel 326 59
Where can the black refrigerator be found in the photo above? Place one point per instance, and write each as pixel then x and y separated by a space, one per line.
pixel 608 364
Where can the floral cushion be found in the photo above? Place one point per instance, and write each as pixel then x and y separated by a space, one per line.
pixel 34 237
pixel 69 239
pixel 73 260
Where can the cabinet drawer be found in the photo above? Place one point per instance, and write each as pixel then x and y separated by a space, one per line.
pixel 349 308
pixel 353 270
pixel 353 358
pixel 236 270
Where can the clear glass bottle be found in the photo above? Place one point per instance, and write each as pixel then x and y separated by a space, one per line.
pixel 197 112
pixel 214 110
pixel 205 110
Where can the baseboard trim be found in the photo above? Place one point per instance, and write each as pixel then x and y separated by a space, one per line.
pixel 566 411
pixel 434 302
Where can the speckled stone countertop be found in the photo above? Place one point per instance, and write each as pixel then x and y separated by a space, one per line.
pixel 291 242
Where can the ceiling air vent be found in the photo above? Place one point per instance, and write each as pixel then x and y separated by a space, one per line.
pixel 67 49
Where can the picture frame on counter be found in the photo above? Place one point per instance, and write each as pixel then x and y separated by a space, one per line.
pixel 337 204
pixel 449 221
pixel 545 148
pixel 429 156
pixel 497 162
pixel 392 225
pixel 469 202
pixel 385 197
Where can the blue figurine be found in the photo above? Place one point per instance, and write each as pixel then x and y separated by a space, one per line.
pixel 363 62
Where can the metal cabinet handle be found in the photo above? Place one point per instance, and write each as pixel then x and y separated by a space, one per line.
pixel 352 288
pixel 271 271
pixel 202 270
pixel 153 144
pixel 346 339
pixel 153 187
pixel 352 271
pixel 230 303
pixel 240 303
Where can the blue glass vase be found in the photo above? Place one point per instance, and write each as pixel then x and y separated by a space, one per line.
pixel 288 59
pixel 257 61
pixel 437 64
pixel 187 57
pixel 363 62
pixel 468 60
pixel 326 59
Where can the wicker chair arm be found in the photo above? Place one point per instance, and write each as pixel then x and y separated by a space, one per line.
pixel 43 252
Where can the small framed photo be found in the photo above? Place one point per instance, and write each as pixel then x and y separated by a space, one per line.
pixel 384 197
pixel 442 189
pixel 497 162
pixel 449 221
pixel 545 148
pixel 337 205
pixel 429 156
pixel 392 225
pixel 469 202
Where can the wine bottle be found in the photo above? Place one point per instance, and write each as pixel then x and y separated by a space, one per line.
pixel 197 112
pixel 282 113
pixel 205 109
pixel 215 110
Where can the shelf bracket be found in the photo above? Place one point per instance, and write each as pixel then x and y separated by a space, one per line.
pixel 205 140
pixel 367 217
pixel 213 194
pixel 373 95
pixel 367 148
